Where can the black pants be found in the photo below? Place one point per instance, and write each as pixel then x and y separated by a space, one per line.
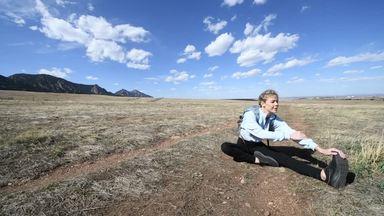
pixel 243 152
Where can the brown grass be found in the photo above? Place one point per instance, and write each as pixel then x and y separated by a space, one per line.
pixel 41 132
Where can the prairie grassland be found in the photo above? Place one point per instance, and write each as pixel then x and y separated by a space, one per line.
pixel 356 127
pixel 41 132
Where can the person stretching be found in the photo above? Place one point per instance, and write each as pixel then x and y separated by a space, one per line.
pixel 260 123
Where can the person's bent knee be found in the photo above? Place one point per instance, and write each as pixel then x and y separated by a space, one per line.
pixel 225 147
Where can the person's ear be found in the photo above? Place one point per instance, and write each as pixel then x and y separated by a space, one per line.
pixel 262 103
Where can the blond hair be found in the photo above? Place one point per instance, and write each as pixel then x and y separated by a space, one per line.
pixel 265 94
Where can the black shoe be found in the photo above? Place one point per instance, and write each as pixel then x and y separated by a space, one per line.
pixel 337 171
pixel 266 160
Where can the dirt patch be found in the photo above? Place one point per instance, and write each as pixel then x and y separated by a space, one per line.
pixel 88 167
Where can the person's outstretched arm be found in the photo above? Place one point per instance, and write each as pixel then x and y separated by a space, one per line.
pixel 300 138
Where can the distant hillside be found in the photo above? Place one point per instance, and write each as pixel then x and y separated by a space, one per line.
pixel 48 83
pixel 133 93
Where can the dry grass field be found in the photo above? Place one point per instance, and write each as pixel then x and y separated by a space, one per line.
pixel 63 154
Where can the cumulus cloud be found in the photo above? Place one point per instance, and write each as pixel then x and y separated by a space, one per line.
pixel 57 72
pixel 100 28
pixel 99 50
pixel 190 52
pixel 254 30
pixel 295 79
pixel 364 57
pixel 91 78
pixel 242 75
pixel 212 26
pixel 259 2
pixel 100 38
pixel 231 3
pixel 258 48
pixel 178 76
pixel 277 68
pixel 220 45
pixel 138 59
pixel 33 28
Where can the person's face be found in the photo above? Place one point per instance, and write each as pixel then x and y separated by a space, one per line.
pixel 271 104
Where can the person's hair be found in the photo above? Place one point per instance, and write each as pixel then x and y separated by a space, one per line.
pixel 265 94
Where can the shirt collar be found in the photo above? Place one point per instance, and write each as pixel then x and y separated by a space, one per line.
pixel 264 116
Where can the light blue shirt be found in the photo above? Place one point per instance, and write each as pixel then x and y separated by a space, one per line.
pixel 256 130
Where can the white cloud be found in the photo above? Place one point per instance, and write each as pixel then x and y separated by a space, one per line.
pixel 214 27
pixel 213 68
pixel 91 78
pixel 351 79
pixel 376 67
pixel 251 30
pixel 260 2
pixel 262 48
pixel 99 37
pixel 364 57
pixel 57 72
pixel 248 29
pixel 116 84
pixel 33 28
pixel 190 52
pixel 231 3
pixel 138 59
pixel 304 8
pixel 62 30
pixel 207 75
pixel 99 50
pixel 16 18
pixel 90 7
pixel 207 86
pixel 295 80
pixel 277 68
pixel 17 11
pixel 176 77
pixel 250 73
pixel 63 3
pixel 220 45
pixel 233 18
pixel 99 28
pixel 352 71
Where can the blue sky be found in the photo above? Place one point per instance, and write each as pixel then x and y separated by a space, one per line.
pixel 199 49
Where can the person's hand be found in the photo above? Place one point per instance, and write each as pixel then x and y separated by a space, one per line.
pixel 331 151
pixel 298 135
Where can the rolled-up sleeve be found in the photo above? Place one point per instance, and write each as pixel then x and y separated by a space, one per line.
pixel 283 126
pixel 308 144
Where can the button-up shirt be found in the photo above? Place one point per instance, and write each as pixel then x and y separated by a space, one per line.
pixel 255 130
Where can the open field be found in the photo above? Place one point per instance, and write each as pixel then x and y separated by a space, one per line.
pixel 64 154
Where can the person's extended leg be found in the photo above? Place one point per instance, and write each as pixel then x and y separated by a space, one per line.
pixel 291 163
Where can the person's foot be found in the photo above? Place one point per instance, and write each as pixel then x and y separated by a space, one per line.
pixel 336 172
pixel 265 159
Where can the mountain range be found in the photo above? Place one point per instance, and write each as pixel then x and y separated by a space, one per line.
pixel 48 83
